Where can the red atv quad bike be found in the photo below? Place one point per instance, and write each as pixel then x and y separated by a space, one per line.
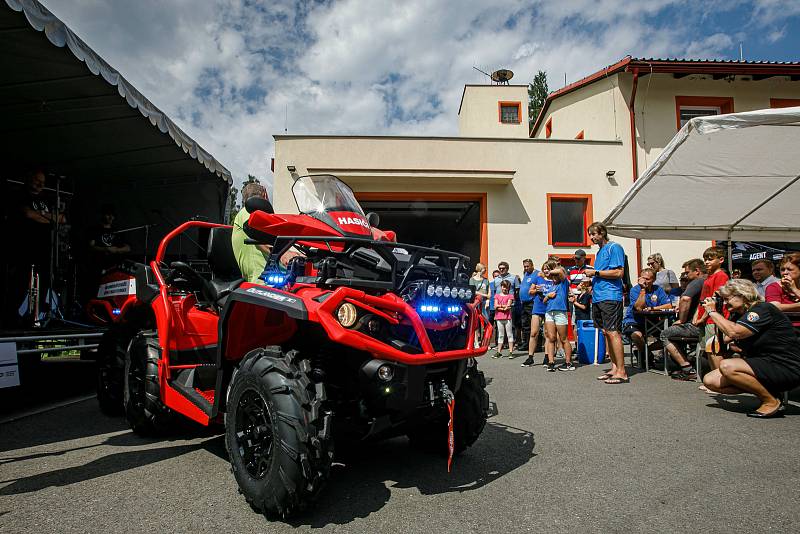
pixel 356 338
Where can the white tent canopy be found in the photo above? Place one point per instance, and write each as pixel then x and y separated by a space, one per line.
pixel 721 177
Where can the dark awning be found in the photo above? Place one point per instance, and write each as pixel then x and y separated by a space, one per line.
pixel 67 110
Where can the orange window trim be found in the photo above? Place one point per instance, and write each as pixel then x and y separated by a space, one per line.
pixel 442 197
pixel 580 135
pixel 587 218
pixel 724 103
pixel 548 128
pixel 784 102
pixel 500 111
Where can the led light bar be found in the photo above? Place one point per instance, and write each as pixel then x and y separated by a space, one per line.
pixel 439 308
pixel 464 293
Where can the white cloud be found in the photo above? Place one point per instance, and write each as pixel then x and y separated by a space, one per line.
pixel 712 47
pixel 228 71
pixel 776 35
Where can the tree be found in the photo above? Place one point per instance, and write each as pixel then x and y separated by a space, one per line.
pixel 537 94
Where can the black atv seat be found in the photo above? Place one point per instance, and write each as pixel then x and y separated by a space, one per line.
pixel 225 273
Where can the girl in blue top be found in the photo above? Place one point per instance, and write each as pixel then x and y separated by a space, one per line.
pixel 555 318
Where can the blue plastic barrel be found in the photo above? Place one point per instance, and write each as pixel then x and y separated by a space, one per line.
pixel 591 343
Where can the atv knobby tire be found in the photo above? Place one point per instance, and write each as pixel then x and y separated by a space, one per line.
pixel 144 410
pixel 111 370
pixel 277 432
pixel 471 412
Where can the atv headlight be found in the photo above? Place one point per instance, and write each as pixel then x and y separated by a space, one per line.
pixel 430 291
pixel 439 291
pixel 462 293
pixel 347 315
pixel 468 294
pixel 385 373
pixel 446 291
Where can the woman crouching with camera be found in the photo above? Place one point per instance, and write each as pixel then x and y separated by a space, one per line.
pixel 770 355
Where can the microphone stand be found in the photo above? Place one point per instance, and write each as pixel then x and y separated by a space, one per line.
pixel 146 228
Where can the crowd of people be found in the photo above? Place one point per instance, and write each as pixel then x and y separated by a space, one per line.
pixel 742 326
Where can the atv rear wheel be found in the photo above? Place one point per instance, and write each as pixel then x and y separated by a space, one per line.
pixel 471 412
pixel 277 432
pixel 144 410
pixel 111 370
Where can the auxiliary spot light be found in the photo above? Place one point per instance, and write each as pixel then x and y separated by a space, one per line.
pixel 385 373
pixel 347 314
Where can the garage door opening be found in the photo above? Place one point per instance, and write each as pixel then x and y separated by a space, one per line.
pixel 448 225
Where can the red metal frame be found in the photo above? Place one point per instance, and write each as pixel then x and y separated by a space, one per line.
pixel 182 326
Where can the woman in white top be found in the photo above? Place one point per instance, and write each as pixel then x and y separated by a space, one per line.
pixel 665 278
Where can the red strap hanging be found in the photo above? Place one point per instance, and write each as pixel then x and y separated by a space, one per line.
pixel 451 440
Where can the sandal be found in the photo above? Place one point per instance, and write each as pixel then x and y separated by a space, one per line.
pixel 605 376
pixel 617 380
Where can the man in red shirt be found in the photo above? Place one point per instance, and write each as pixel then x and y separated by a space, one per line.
pixel 713 257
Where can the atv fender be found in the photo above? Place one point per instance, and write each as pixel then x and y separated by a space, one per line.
pixel 253 317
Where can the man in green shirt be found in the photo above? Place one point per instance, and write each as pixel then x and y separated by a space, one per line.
pixel 251 258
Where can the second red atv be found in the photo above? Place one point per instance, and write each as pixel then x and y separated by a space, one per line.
pixel 357 337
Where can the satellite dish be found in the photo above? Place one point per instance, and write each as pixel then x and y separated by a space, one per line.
pixel 502 76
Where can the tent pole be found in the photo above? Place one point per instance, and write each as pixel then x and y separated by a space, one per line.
pixel 730 250
pixel 761 204
pixel 749 213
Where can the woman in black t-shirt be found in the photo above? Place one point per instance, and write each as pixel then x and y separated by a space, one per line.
pixel 769 345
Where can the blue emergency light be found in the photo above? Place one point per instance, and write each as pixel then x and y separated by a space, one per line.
pixel 273 279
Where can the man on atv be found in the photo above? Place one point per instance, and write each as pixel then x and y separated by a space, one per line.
pixel 251 258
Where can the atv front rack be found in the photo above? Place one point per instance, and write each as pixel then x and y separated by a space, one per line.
pixel 450 264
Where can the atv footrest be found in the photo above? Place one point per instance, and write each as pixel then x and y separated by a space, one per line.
pixel 207 394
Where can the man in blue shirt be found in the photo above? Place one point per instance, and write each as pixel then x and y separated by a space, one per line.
pixel 529 275
pixel 607 294
pixel 644 296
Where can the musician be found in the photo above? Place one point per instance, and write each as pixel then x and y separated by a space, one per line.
pixel 33 218
pixel 108 245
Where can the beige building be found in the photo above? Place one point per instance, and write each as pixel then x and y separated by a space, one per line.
pixel 499 192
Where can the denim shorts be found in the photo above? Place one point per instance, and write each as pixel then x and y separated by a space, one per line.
pixel 556 316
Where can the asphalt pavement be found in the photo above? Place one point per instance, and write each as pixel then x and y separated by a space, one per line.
pixel 562 452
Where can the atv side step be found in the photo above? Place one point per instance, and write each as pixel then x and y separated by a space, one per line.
pixel 188 381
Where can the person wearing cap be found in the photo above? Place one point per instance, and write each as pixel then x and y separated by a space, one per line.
pixel 576 272
pixel 251 258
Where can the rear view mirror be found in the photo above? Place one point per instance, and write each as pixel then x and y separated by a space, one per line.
pixel 258 204
pixel 373 219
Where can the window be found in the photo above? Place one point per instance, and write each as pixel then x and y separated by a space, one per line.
pixel 784 102
pixel 567 219
pixel 548 128
pixel 690 112
pixel 689 107
pixel 510 112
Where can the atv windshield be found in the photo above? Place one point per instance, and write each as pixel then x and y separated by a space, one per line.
pixel 324 193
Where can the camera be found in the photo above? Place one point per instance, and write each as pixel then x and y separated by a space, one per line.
pixel 719 302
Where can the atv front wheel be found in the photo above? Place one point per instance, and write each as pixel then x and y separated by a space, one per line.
pixel 470 414
pixel 277 432
pixel 144 410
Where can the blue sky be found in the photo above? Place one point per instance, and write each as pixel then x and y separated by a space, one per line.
pixel 234 72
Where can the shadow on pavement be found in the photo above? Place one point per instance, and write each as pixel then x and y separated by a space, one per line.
pixel 106 465
pixel 62 424
pixel 744 403
pixel 364 486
